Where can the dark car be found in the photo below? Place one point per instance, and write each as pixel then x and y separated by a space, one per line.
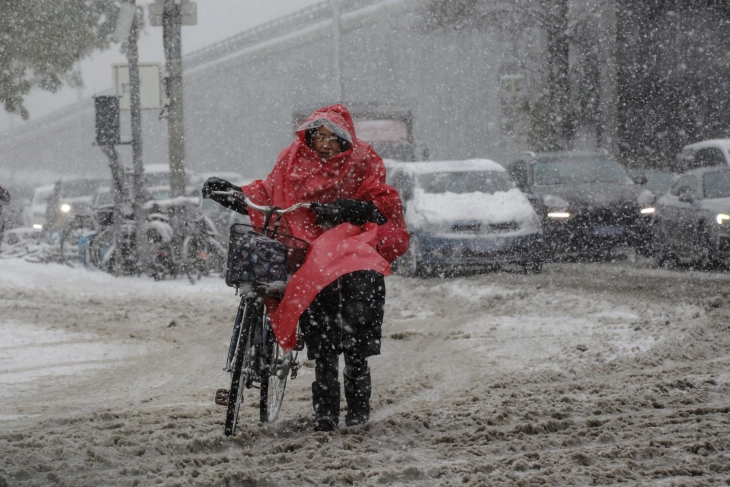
pixel 587 201
pixel 692 220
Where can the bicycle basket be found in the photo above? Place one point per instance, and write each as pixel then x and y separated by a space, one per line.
pixel 256 258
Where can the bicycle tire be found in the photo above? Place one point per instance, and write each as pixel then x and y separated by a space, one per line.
pixel 273 379
pixel 102 251
pixel 67 237
pixel 238 377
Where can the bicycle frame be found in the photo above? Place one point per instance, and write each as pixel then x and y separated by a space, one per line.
pixel 253 354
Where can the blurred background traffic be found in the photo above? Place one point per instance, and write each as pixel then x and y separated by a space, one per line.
pixel 517 133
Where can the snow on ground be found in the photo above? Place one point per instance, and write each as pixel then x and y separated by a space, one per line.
pixel 589 374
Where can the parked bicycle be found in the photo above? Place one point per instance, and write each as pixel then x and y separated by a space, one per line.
pixel 260 260
pixel 75 238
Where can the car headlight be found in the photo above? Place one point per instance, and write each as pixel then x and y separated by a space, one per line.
pixel 37 226
pixel 553 201
pixel 65 207
pixel 648 211
pixel 722 218
pixel 558 214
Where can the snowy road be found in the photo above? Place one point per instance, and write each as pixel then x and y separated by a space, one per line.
pixel 588 374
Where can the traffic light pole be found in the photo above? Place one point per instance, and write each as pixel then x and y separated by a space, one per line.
pixel 136 118
pixel 172 27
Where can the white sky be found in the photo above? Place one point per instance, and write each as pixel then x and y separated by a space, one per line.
pixel 217 20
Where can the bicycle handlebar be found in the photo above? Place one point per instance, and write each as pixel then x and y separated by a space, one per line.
pixel 264 208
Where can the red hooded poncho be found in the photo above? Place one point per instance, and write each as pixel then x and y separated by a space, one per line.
pixel 357 173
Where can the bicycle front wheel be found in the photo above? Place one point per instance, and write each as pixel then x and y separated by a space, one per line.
pixel 273 378
pixel 241 370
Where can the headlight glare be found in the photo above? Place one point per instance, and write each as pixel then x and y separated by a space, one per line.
pixel 722 218
pixel 648 211
pixel 558 214
pixel 65 207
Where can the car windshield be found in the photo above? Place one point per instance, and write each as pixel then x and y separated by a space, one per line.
pixel 659 182
pixel 160 195
pixel 80 187
pixel 104 198
pixel 716 184
pixel 579 171
pixel 463 182
pixel 41 197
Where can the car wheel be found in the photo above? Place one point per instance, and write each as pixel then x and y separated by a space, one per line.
pixel 706 260
pixel 533 267
pixel 659 249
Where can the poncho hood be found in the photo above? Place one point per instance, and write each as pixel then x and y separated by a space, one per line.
pixel 335 118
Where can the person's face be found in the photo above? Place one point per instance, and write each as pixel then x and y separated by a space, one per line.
pixel 325 144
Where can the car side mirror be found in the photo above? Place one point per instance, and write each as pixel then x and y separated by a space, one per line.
pixel 640 179
pixel 686 197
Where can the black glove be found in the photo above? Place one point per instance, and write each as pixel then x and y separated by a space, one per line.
pixel 217 184
pixel 231 202
pixel 353 211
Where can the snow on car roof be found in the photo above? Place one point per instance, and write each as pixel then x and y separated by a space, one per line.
pixel 708 143
pixel 46 187
pixel 703 170
pixel 156 168
pixel 450 166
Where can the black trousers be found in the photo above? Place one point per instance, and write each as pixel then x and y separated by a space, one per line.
pixel 346 317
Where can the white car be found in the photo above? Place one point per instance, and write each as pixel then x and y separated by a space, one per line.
pixel 465 214
pixel 36 215
pixel 706 153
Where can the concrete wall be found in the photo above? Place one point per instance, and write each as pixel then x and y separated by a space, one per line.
pixel 239 109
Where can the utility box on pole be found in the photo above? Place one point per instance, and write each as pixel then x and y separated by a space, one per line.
pixel 107 120
pixel 150 95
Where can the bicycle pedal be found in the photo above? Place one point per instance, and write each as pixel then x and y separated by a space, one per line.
pixel 221 397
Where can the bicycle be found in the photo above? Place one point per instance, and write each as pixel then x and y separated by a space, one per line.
pixel 202 253
pixel 75 240
pixel 260 259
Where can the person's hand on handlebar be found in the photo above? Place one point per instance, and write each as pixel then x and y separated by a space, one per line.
pixel 345 210
pixel 217 184
pixel 213 185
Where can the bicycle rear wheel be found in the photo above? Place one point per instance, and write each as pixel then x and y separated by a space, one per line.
pixel 273 378
pixel 241 371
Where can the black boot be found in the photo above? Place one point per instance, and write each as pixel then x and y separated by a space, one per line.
pixel 357 395
pixel 326 402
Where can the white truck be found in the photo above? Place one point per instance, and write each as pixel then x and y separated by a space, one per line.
pixel 387 128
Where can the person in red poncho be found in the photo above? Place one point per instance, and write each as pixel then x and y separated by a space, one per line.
pixel 337 296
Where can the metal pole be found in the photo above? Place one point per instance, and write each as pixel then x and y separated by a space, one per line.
pixel 172 27
pixel 515 116
pixel 337 65
pixel 117 191
pixel 136 116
